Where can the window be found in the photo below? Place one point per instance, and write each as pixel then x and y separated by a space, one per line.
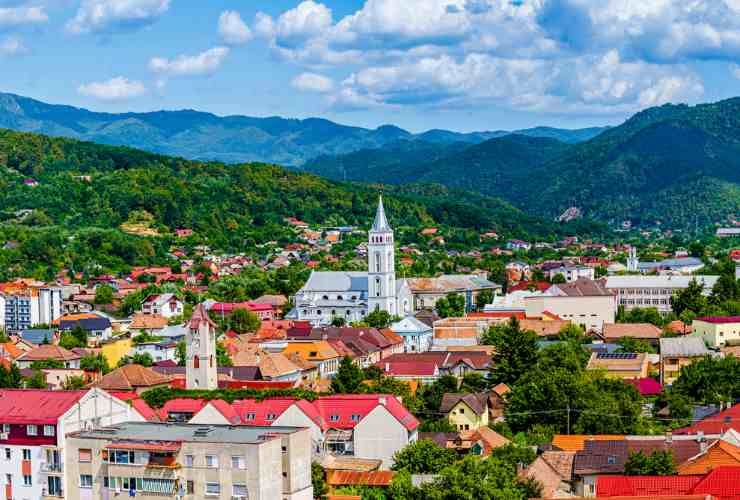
pixel 26 454
pixel 237 462
pixel 7 454
pixel 32 430
pixel 27 480
pixel 250 416
pixel 334 418
pixel 189 460
pixel 8 478
pixel 271 416
pixel 355 417
pixel 85 455
pixel 86 481
pixel 121 457
pixel 49 430
pixel 6 428
pixel 213 489
pixel 190 487
pixel 239 490
pixel 212 461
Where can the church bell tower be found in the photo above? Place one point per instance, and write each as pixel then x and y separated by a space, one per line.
pixel 200 341
pixel 381 265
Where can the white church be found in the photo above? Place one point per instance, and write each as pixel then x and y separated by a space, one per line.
pixel 352 295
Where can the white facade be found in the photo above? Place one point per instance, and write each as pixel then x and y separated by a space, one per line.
pixel 379 436
pixel 591 312
pixel 157 350
pixel 165 304
pixel 201 366
pixel 572 273
pixel 653 291
pixel 417 336
pixel 30 306
pixel 350 295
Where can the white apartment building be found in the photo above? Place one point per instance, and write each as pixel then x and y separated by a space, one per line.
pixel 25 303
pixel 583 302
pixel 653 291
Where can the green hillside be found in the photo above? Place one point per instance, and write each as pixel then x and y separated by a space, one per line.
pixel 86 193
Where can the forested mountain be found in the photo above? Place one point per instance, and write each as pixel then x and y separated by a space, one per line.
pixel 231 139
pixel 675 164
pixel 79 204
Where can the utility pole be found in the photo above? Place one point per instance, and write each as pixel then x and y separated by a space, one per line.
pixel 568 424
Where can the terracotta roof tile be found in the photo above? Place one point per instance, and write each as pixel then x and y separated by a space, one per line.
pixel 48 351
pixel 130 377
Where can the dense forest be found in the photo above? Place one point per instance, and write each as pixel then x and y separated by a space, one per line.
pixel 674 165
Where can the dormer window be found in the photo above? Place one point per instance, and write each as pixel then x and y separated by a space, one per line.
pixel 334 418
pixel 271 416
pixel 355 417
pixel 249 416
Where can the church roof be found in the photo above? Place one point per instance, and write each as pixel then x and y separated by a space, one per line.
pixel 380 223
pixel 337 281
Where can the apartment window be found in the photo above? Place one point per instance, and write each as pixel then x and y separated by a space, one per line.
pixel 189 460
pixel 190 487
pixel 239 490
pixel 85 455
pixel 85 481
pixel 6 428
pixel 7 454
pixel 32 430
pixel 49 430
pixel 26 454
pixel 27 480
pixel 121 457
pixel 237 462
pixel 213 489
pixel 8 478
pixel 211 461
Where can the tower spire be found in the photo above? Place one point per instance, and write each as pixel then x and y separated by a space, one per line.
pixel 380 223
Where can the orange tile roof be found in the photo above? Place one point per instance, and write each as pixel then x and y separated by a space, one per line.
pixel 353 478
pixel 75 317
pixel 576 442
pixel 312 351
pixel 48 351
pixel 148 322
pixel 130 377
pixel 11 349
pixel 542 327
pixel 613 331
pixel 717 454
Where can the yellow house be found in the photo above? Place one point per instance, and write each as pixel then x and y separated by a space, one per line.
pixel 114 350
pixel 466 412
pixel 717 330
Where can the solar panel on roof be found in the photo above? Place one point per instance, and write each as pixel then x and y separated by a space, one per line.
pixel 617 355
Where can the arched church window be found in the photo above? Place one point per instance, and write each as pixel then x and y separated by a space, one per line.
pixel 196 362
pixel 377 262
pixel 339 297
pixel 377 287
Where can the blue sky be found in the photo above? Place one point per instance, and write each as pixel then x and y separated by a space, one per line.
pixel 420 64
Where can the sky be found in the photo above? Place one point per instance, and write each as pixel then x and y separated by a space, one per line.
pixel 420 64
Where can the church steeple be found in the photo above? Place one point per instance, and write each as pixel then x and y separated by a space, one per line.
pixel 381 264
pixel 380 223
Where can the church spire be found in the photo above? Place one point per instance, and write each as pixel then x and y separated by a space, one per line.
pixel 380 223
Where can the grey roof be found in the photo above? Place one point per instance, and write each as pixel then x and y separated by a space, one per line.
pixel 670 263
pixel 409 324
pixel 582 287
pixel 659 281
pixel 152 431
pixel 380 223
pixel 683 347
pixel 173 331
pixel 336 281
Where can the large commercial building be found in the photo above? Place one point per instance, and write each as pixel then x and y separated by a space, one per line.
pixel 653 291
pixel 159 460
pixel 25 303
pixel 583 302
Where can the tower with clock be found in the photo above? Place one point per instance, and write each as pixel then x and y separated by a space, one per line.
pixel 200 341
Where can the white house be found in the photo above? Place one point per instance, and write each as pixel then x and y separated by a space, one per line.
pixel 584 302
pixel 417 336
pixel 163 304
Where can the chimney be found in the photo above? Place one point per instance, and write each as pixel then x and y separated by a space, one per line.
pixel 387 367
pixel 381 400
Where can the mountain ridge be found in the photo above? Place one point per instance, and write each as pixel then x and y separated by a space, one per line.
pixel 200 135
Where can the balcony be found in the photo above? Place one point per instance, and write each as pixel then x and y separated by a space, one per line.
pixel 49 494
pixel 52 468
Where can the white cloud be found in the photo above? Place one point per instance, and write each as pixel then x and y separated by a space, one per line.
pixel 232 29
pixel 312 82
pixel 105 16
pixel 735 70
pixel 309 19
pixel 186 65
pixel 115 89
pixel 19 16
pixel 12 46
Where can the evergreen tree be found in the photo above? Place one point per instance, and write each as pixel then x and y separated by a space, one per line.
pixel 348 379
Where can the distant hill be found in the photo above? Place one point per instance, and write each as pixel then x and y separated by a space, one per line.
pixel 232 139
pixel 676 165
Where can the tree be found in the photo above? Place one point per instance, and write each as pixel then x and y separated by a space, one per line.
pixel 658 463
pixel 690 298
pixel 630 344
pixel 10 377
pixel 222 356
pixel 431 395
pixel 514 455
pixel 571 333
pixel 515 351
pixel 104 294
pixel 483 298
pixel 378 319
pixel 244 321
pixel 139 358
pixel 318 480
pixel 641 315
pixel 74 383
pixel 181 353
pixel 473 382
pixel 710 380
pixel 338 321
pixel 77 337
pixel 348 379
pixel 423 457
pixel 451 306
pixel 49 364
pixel 95 363
pixel 558 279
pixel 36 381
pixel 372 372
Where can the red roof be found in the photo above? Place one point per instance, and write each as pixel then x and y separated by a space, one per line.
pixel 527 285
pixel 181 405
pixel 718 320
pixel 715 424
pixel 35 406
pixel 328 412
pixel 646 386
pixel 723 483
pixel 229 307
pixel 498 314
pixel 409 368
